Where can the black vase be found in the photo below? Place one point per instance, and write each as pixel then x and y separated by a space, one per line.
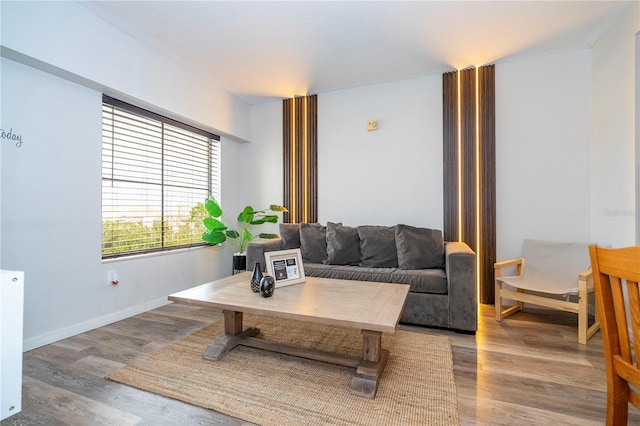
pixel 267 286
pixel 256 277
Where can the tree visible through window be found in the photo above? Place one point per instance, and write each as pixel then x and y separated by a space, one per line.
pixel 156 174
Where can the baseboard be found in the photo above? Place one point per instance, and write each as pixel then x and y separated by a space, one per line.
pixel 54 336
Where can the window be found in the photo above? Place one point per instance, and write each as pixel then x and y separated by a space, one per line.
pixel 156 174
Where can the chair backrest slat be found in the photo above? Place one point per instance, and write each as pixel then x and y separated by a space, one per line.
pixel 611 269
pixel 634 313
pixel 620 311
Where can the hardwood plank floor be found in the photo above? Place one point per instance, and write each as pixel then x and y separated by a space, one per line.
pixel 527 370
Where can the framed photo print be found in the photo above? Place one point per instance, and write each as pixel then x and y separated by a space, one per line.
pixel 285 266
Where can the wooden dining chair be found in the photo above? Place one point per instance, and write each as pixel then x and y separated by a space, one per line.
pixel 614 270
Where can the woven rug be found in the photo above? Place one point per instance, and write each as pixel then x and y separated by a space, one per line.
pixel 266 388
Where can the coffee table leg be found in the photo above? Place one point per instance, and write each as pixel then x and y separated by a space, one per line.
pixel 374 359
pixel 232 336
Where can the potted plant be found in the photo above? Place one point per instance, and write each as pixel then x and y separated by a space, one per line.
pixel 219 228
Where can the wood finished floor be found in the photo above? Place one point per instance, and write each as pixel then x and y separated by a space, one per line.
pixel 527 370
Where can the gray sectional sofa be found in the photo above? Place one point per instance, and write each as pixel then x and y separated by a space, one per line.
pixel 441 275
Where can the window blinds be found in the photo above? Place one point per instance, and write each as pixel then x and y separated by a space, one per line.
pixel 156 174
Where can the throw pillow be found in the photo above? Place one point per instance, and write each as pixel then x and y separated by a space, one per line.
pixel 378 246
pixel 290 234
pixel 419 248
pixel 343 245
pixel 313 242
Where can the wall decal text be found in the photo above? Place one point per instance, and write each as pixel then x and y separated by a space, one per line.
pixel 10 136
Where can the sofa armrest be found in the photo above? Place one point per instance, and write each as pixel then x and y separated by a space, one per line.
pixel 256 250
pixel 460 266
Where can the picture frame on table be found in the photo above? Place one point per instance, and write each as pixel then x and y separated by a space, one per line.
pixel 285 266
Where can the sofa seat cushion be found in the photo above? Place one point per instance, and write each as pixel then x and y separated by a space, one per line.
pixel 432 281
pixel 348 272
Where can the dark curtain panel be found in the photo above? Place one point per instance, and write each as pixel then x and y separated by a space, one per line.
pixel 300 158
pixel 469 167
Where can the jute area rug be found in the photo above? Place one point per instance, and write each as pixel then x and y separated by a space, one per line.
pixel 416 388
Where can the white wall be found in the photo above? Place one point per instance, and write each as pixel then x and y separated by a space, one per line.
pixel 637 138
pixel 394 175
pixel 542 151
pixel 613 133
pixel 547 157
pixel 384 177
pixel 50 186
pixel 65 37
pixel 389 176
pixel 51 209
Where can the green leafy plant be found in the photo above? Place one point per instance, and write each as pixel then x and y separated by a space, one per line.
pixel 219 227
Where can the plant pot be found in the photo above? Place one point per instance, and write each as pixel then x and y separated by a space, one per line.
pixel 239 262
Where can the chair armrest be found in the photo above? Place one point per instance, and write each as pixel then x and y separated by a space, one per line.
pixel 499 266
pixel 586 275
pixel 256 250
pixel 460 267
pixel 585 280
pixel 507 263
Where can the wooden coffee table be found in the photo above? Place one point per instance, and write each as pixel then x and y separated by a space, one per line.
pixel 374 308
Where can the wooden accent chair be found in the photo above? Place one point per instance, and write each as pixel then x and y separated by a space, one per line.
pixel 610 268
pixel 546 271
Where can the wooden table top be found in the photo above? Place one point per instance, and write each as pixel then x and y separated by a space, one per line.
pixel 357 304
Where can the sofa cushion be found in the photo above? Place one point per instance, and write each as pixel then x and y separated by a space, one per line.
pixel 343 245
pixel 290 234
pixel 313 242
pixel 378 246
pixel 432 281
pixel 348 272
pixel 419 248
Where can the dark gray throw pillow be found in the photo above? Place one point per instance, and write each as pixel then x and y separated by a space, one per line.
pixel 343 245
pixel 313 242
pixel 290 234
pixel 419 248
pixel 378 246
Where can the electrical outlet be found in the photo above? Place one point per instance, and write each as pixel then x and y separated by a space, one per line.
pixel 112 278
pixel 372 125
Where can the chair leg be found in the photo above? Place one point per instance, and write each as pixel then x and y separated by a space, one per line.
pixel 583 318
pixel 500 312
pixel 617 401
pixel 584 331
pixel 520 304
pixel 498 300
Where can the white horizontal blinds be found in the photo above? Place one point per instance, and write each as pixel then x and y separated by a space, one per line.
pixel 215 160
pixel 131 182
pixel 155 177
pixel 186 185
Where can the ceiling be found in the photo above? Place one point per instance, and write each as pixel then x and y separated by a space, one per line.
pixel 266 50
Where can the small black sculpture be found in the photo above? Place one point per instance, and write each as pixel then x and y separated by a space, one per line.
pixel 267 286
pixel 256 277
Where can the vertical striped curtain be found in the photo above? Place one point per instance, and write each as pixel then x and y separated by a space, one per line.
pixel 469 167
pixel 300 158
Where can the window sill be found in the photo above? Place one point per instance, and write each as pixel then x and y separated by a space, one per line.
pixel 157 253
